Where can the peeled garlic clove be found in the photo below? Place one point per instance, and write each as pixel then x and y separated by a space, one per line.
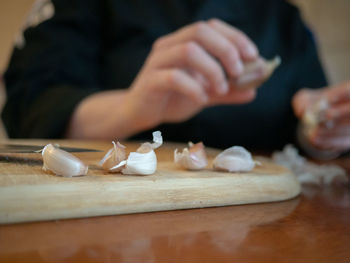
pixel 62 163
pixel 256 72
pixel 193 158
pixel 141 163
pixel 234 159
pixel 314 115
pixel 113 157
pixel 144 160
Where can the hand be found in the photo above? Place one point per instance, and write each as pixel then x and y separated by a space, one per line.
pixel 186 71
pixel 332 132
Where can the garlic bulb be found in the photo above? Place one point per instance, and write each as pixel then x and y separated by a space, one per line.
pixel 144 160
pixel 255 73
pixel 62 163
pixel 113 158
pixel 234 159
pixel 193 158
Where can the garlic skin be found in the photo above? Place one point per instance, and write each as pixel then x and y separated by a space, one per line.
pixel 255 73
pixel 193 158
pixel 113 157
pixel 62 163
pixel 144 160
pixel 234 159
pixel 157 142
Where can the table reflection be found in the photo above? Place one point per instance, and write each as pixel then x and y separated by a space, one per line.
pixel 146 237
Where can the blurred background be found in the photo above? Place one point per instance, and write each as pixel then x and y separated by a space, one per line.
pixel 329 20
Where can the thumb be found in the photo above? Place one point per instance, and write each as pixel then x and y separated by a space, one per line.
pixel 303 99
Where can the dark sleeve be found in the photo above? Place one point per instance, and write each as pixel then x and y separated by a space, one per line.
pixel 55 69
pixel 310 73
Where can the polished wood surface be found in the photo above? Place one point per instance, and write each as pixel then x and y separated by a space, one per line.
pixel 314 227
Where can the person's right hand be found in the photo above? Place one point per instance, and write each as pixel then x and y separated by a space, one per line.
pixel 189 70
pixel 185 72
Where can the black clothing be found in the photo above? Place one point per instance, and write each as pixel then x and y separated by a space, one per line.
pixel 95 45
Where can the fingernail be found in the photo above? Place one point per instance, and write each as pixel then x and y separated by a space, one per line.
pixel 250 51
pixel 238 68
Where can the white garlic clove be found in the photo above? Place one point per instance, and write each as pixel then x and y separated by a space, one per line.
pixel 255 73
pixel 314 115
pixel 234 159
pixel 141 163
pixel 61 162
pixel 193 158
pixel 144 160
pixel 113 158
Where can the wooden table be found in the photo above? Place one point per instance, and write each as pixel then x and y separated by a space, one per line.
pixel 314 227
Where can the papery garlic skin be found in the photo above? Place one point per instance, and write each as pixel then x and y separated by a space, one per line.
pixel 62 163
pixel 113 157
pixel 234 159
pixel 144 160
pixel 157 142
pixel 256 72
pixel 193 158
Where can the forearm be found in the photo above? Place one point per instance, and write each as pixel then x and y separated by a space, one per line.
pixel 104 115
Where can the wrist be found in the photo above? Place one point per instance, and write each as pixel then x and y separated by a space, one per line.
pixel 104 115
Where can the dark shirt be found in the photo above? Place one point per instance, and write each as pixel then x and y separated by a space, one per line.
pixel 94 45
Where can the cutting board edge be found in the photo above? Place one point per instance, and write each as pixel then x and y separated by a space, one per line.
pixel 290 189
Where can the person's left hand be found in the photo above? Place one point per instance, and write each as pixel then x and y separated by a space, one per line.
pixel 332 132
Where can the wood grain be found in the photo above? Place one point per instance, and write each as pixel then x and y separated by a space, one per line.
pixel 27 193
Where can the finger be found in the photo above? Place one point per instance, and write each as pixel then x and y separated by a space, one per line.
pixel 303 99
pixel 234 97
pixel 338 94
pixel 192 57
pixel 335 131
pixel 179 81
pixel 212 41
pixel 200 78
pixel 339 111
pixel 333 143
pixel 246 47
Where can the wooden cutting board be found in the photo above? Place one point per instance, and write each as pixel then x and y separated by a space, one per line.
pixel 27 193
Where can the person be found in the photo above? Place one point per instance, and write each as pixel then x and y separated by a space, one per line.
pixel 117 69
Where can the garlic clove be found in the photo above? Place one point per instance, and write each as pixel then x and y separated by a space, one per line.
pixel 113 158
pixel 118 167
pixel 141 163
pixel 234 159
pixel 61 162
pixel 144 160
pixel 256 72
pixel 314 115
pixel 193 158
